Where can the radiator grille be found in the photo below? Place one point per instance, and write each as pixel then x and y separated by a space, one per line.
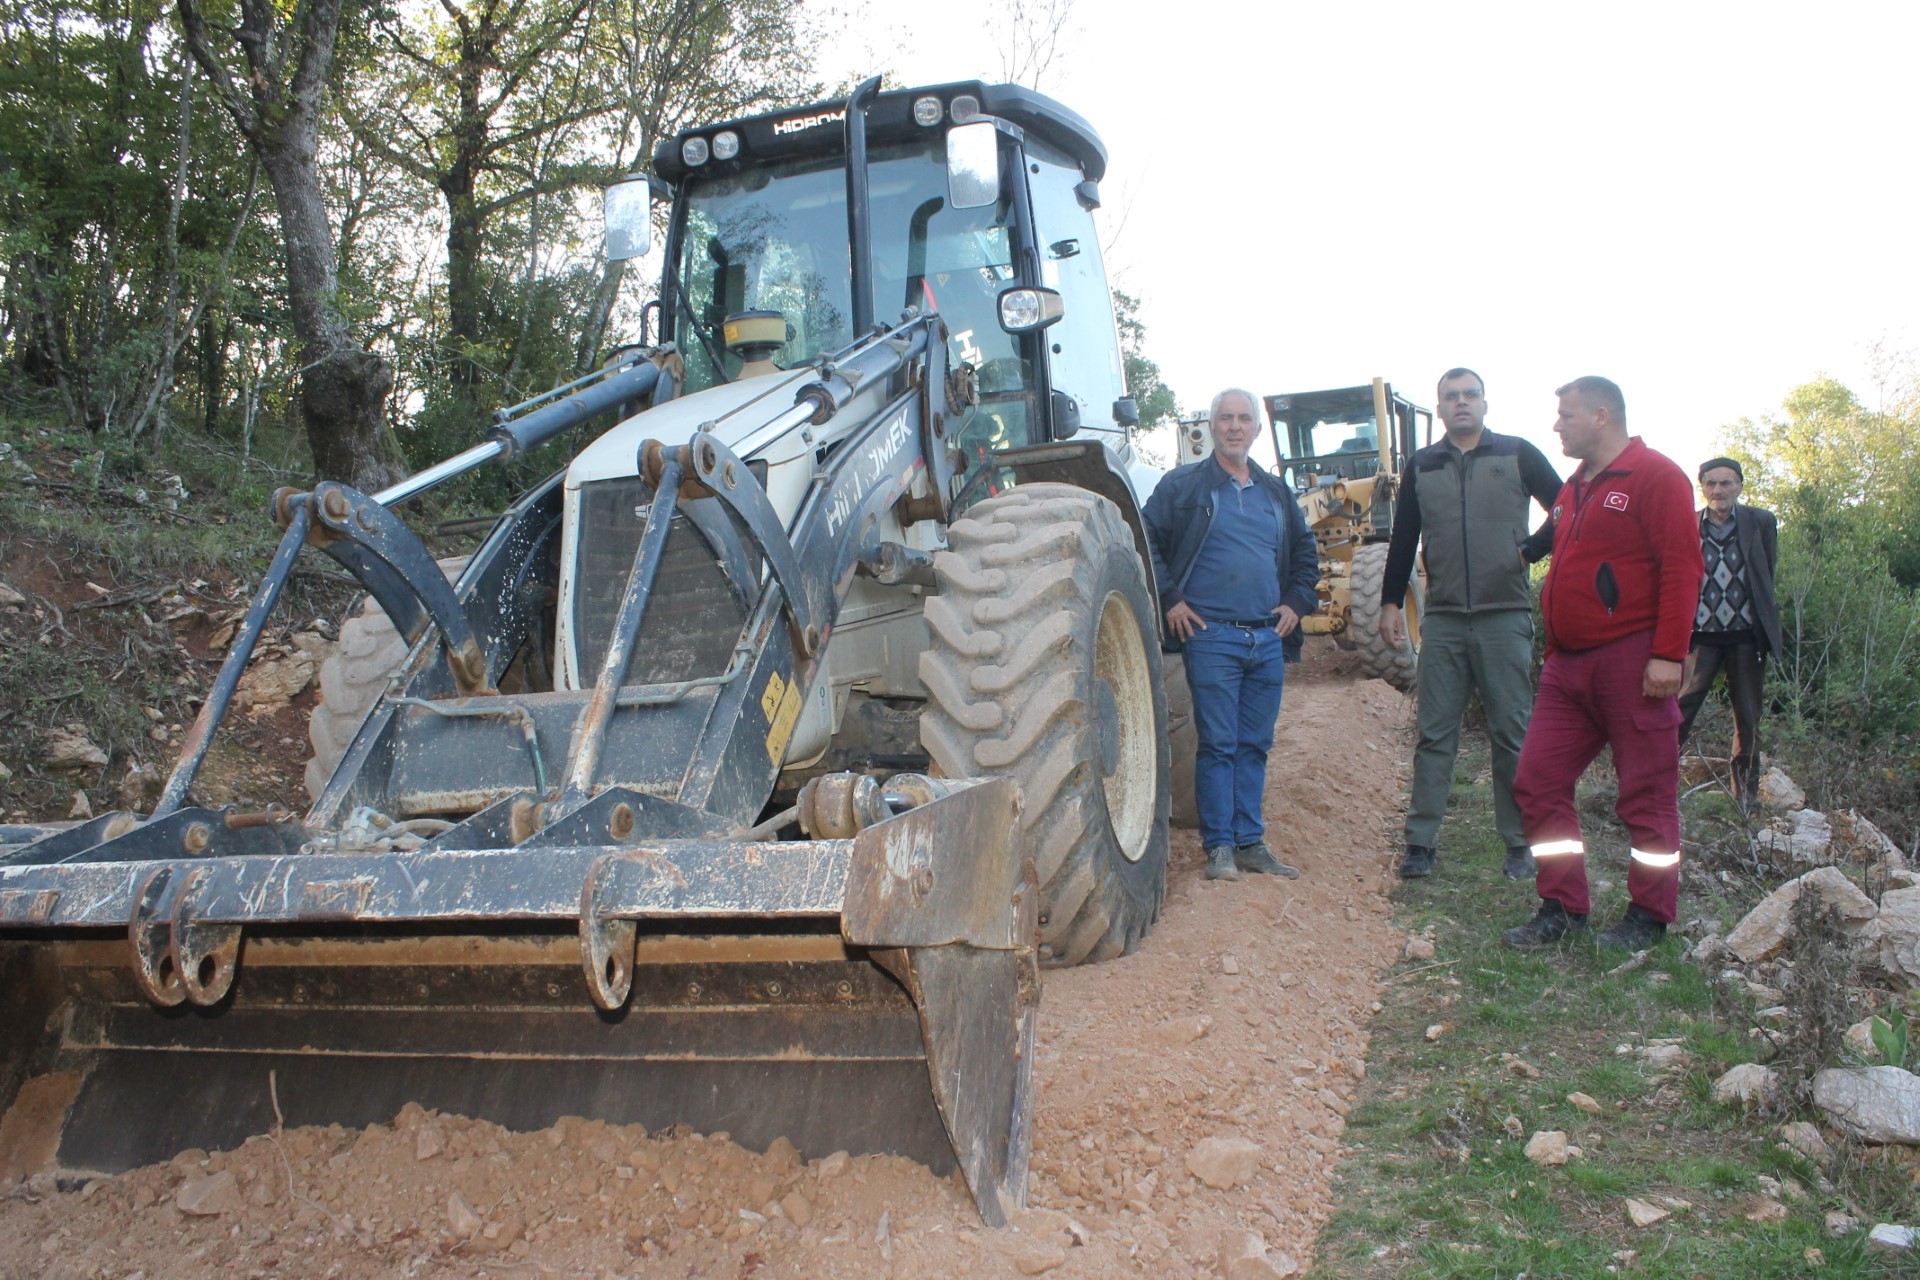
pixel 693 618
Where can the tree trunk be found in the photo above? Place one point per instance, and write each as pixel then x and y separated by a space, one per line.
pixel 343 386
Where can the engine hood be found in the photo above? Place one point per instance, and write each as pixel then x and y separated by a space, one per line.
pixel 737 411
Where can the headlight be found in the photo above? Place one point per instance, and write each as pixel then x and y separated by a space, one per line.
pixel 726 145
pixel 926 111
pixel 964 108
pixel 1024 309
pixel 694 152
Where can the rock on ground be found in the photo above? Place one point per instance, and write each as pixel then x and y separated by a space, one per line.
pixel 1642 1214
pixel 1807 1140
pixel 1877 1104
pixel 68 747
pixel 1778 791
pixel 1888 1237
pixel 1747 1083
pixel 1804 835
pixel 1549 1146
pixel 1224 1162
pixel 1762 935
pixel 1890 941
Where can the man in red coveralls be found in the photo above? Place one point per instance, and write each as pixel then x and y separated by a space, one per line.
pixel 1618 606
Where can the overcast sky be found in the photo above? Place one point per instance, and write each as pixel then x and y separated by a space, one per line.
pixel 1709 203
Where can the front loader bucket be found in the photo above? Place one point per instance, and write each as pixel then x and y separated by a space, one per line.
pixel 871 994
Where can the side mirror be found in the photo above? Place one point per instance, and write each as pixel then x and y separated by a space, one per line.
pixel 1064 414
pixel 1126 411
pixel 629 219
pixel 973 165
pixel 1024 309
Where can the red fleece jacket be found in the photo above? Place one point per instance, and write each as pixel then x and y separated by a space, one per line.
pixel 1626 556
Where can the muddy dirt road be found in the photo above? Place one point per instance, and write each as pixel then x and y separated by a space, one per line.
pixel 1188 1095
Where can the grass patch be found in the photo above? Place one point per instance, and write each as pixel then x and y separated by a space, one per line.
pixel 1441 1186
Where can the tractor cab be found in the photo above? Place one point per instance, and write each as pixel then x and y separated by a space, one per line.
pixel 975 201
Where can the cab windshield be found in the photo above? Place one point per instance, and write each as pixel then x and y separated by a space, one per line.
pixel 775 238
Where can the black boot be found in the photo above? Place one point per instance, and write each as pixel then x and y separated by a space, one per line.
pixel 1636 931
pixel 1220 863
pixel 1259 859
pixel 1519 863
pixel 1417 861
pixel 1552 923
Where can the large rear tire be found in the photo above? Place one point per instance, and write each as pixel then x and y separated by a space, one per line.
pixel 1045 667
pixel 1183 737
pixel 1400 666
pixel 365 657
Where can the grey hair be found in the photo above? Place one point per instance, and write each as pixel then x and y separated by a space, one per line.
pixel 1253 402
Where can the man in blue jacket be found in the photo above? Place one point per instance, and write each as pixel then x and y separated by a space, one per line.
pixel 1237 568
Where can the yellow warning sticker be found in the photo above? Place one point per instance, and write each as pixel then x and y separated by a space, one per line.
pixel 770 697
pixel 783 720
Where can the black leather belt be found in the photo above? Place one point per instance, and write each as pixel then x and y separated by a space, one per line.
pixel 1256 624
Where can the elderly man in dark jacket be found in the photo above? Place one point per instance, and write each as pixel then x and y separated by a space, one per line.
pixel 1237 568
pixel 1738 622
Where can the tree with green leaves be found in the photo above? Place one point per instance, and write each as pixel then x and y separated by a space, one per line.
pixel 1156 400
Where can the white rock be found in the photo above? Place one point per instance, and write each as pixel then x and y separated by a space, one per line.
pixel 210 1196
pixel 271 683
pixel 1664 1057
pixel 1419 949
pixel 461 1219
pixel 68 747
pixel 1878 1104
pixel 1243 1256
pixel 1891 941
pixel 1584 1103
pixel 1762 935
pixel 1841 1224
pixel 10 597
pixel 1778 791
pixel 1804 835
pixel 1859 1038
pixel 1642 1214
pixel 1807 1140
pixel 1858 840
pixel 1175 1032
pixel 82 807
pixel 1747 1084
pixel 1888 1237
pixel 1548 1146
pixel 1224 1162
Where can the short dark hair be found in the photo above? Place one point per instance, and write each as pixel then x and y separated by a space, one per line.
pixel 1460 372
pixel 1599 393
pixel 1728 463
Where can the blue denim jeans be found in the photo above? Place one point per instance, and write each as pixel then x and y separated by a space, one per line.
pixel 1236 674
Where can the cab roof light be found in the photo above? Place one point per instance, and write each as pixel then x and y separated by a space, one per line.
pixel 963 108
pixel 726 145
pixel 694 152
pixel 927 111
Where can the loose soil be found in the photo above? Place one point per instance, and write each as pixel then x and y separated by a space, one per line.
pixel 1243 1016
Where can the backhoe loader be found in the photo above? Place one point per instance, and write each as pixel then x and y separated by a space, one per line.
pixel 749 770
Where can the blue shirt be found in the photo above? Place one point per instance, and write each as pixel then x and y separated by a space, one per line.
pixel 1233 575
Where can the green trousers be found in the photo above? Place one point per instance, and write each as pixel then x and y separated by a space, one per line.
pixel 1460 654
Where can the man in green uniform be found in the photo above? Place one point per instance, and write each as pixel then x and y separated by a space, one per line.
pixel 1468 495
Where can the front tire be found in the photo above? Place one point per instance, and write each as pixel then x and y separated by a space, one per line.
pixel 1399 667
pixel 1045 667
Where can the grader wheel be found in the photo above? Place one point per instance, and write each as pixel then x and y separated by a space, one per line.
pixel 1400 666
pixel 1045 667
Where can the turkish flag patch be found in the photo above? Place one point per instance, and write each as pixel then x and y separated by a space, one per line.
pixel 1615 500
